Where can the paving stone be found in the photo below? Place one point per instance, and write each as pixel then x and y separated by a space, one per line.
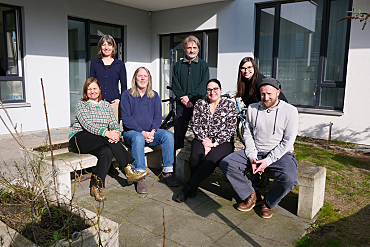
pixel 238 237
pixel 279 228
pixel 193 230
pixel 151 240
pixel 149 214
pixel 223 211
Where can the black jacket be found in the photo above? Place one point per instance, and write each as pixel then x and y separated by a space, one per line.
pixel 256 96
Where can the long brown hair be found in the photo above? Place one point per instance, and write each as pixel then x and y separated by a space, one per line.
pixel 149 91
pixel 88 82
pixel 240 86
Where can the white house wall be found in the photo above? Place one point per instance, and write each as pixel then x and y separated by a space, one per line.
pixel 235 21
pixel 45 41
pixel 45 45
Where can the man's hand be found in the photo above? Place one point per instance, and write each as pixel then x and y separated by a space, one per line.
pixel 261 166
pixel 185 100
pixel 113 136
pixel 148 136
pixel 189 104
pixel 254 165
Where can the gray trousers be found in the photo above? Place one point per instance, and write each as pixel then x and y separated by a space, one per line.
pixel 285 173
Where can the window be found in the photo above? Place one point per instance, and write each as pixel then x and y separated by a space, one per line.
pixel 11 73
pixel 83 38
pixel 301 45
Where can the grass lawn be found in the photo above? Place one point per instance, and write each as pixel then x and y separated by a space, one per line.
pixel 345 218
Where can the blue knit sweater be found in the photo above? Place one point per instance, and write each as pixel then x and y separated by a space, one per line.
pixel 140 113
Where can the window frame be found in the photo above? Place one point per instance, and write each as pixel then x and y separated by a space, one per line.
pixel 324 39
pixel 20 71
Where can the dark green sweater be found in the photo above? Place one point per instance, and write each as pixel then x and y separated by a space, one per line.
pixel 190 80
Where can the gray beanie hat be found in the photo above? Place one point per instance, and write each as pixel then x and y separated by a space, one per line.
pixel 272 82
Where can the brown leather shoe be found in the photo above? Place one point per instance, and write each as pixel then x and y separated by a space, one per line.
pixel 141 187
pixel 97 193
pixel 266 212
pixel 248 203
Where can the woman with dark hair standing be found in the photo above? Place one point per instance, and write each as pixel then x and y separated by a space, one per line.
pixel 96 131
pixel 109 70
pixel 249 80
pixel 213 123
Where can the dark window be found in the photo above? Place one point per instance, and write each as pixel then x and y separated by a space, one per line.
pixel 83 38
pixel 301 45
pixel 11 69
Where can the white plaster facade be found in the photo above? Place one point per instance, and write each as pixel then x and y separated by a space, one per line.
pixel 45 45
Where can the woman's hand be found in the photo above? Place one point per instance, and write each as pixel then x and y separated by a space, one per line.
pixel 113 136
pixel 206 150
pixel 116 101
pixel 207 142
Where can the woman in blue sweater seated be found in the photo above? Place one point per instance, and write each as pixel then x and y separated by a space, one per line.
pixel 96 131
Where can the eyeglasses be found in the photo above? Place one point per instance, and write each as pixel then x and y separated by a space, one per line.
pixel 209 90
pixel 250 68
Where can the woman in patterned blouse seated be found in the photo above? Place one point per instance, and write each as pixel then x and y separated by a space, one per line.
pixel 213 124
pixel 96 131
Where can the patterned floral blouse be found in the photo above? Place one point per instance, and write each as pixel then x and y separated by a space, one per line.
pixel 220 126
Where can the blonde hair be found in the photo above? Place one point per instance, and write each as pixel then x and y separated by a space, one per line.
pixel 149 91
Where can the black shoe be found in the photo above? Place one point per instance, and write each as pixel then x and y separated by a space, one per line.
pixel 193 193
pixel 112 170
pixel 169 180
pixel 183 195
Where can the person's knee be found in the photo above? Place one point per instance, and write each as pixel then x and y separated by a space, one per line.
pixel 167 137
pixel 137 140
pixel 105 152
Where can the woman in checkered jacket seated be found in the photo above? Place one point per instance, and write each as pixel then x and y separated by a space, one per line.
pixel 96 131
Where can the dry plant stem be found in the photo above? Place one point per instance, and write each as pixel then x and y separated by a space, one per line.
pixel 355 17
pixel 164 229
pixel 18 139
pixel 51 145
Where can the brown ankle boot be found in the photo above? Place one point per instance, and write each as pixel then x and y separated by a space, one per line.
pixel 132 175
pixel 97 193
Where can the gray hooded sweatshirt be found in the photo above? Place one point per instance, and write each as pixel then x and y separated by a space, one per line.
pixel 270 130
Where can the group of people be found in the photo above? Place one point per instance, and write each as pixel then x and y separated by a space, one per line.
pixel 271 126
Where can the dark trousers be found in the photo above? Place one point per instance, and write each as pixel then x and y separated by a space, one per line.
pixel 285 173
pixel 202 166
pixel 99 146
pixel 183 116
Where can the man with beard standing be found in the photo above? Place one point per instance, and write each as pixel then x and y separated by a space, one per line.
pixel 272 126
pixel 189 78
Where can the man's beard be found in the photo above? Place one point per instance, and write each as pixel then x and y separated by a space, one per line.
pixel 192 55
pixel 142 87
pixel 268 104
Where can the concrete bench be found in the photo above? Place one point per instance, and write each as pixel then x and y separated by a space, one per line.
pixel 311 182
pixel 66 162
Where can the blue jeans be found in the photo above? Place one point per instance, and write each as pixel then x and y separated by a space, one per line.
pixel 161 137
